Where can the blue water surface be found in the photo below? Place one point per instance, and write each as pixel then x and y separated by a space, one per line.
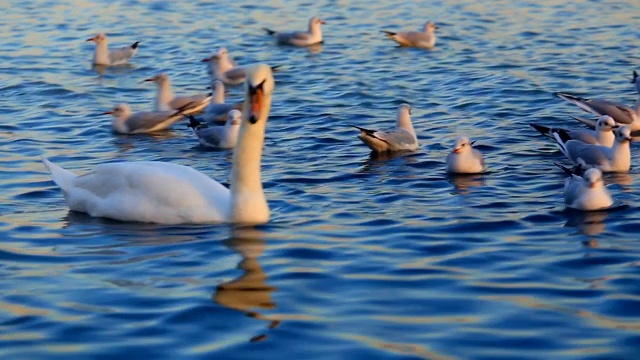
pixel 365 257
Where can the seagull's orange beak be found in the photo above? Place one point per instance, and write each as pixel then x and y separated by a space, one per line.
pixel 322 22
pixel 92 39
pixel 108 112
pixel 456 150
pixel 206 60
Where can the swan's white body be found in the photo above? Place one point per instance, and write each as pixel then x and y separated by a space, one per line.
pixel 165 193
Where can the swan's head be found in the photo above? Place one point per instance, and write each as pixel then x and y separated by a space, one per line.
pixel 462 145
pixel 623 134
pixel 605 123
pixel 259 87
pixel 315 22
pixel 430 26
pixel 235 117
pixel 159 79
pixel 120 111
pixel 99 38
pixel 593 177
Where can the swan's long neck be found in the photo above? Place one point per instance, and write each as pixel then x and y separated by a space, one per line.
pixel 248 202
pixel 165 95
pixel 101 53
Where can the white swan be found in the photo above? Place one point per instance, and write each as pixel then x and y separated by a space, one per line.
pixel 160 192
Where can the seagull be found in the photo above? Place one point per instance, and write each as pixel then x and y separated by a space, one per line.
pixel 168 193
pixel 218 110
pixel 616 158
pixel 425 39
pixel 622 114
pixel 402 137
pixel 103 56
pixel 636 83
pixel 222 137
pixel 586 193
pixel 602 135
pixel 300 38
pixel 225 69
pixel 464 159
pixel 165 100
pixel 126 122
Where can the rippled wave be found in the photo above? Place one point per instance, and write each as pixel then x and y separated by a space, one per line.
pixel 365 256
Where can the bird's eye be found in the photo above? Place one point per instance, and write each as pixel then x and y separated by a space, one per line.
pixel 464 144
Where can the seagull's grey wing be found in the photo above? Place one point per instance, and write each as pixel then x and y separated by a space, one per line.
pixel 144 121
pixel 397 139
pixel 573 188
pixel 478 156
pixel 188 102
pixel 589 153
pixel 122 55
pixel 620 113
pixel 236 74
pixel 293 36
pixel 211 136
pixel 586 136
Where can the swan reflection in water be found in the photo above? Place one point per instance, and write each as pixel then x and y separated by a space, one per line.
pixel 248 293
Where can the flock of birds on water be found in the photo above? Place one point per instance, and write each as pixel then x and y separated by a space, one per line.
pixel 166 193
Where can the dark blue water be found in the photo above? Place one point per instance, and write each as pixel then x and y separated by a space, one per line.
pixel 364 258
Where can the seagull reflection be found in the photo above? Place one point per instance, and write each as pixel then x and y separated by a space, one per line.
pixel 248 293
pixel 590 223
pixel 119 69
pixel 622 179
pixel 462 183
pixel 315 48
pixel 377 161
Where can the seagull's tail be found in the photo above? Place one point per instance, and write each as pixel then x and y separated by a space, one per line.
pixel 63 178
pixel 580 102
pixel 269 31
pixel 367 131
pixel 561 144
pixel 183 108
pixel 193 122
pixel 135 45
pixel 566 170
pixel 546 131
pixel 635 77
pixel 389 33
pixel 276 68
pixel 589 122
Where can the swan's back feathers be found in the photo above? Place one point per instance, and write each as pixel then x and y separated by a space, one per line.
pixel 63 178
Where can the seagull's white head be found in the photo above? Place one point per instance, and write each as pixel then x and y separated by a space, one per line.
pixel 605 123
pixel 235 117
pixel 593 177
pixel 99 38
pixel 120 111
pixel 623 134
pixel 462 145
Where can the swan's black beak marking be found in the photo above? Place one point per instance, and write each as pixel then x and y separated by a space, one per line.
pixel 256 94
